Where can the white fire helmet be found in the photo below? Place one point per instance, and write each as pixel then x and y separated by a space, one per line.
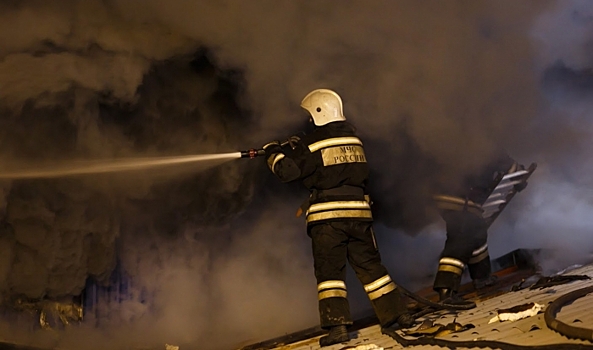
pixel 325 106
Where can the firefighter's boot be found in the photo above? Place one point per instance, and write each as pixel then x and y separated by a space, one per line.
pixel 485 282
pixel 337 334
pixel 449 297
pixel 405 321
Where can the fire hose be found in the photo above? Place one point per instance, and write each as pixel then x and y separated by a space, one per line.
pixel 470 344
pixel 439 306
pixel 551 321
pixel 561 327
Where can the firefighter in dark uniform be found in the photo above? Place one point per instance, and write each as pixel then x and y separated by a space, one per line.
pixel 331 164
pixel 467 231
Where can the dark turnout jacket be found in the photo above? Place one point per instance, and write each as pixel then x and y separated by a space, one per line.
pixel 332 165
pixel 476 187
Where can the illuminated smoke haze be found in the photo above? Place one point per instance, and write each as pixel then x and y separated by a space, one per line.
pixel 434 88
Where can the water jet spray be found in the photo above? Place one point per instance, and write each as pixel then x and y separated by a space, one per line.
pixel 88 167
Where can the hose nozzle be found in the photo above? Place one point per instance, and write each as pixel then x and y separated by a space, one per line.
pixel 252 153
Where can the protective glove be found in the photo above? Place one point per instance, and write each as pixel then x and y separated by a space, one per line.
pixel 293 141
pixel 520 187
pixel 272 147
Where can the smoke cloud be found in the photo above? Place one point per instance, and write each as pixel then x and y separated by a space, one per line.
pixel 435 88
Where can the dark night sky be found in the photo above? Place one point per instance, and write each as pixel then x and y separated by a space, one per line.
pixel 433 87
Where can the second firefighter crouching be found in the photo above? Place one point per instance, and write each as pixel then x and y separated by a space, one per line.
pixel 467 231
pixel 331 164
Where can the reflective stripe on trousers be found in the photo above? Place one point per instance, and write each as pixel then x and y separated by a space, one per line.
pixel 331 289
pixel 479 254
pixel 452 265
pixel 379 287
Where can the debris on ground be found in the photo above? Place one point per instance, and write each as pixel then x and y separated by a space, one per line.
pixel 428 328
pixel 545 282
pixel 363 347
pixel 517 312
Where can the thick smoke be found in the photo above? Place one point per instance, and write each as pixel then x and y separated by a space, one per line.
pixel 434 88
pixel 554 215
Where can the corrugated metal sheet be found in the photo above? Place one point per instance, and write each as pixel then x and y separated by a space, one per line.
pixel 526 332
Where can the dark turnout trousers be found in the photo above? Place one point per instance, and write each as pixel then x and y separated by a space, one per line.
pixel 334 243
pixel 467 235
